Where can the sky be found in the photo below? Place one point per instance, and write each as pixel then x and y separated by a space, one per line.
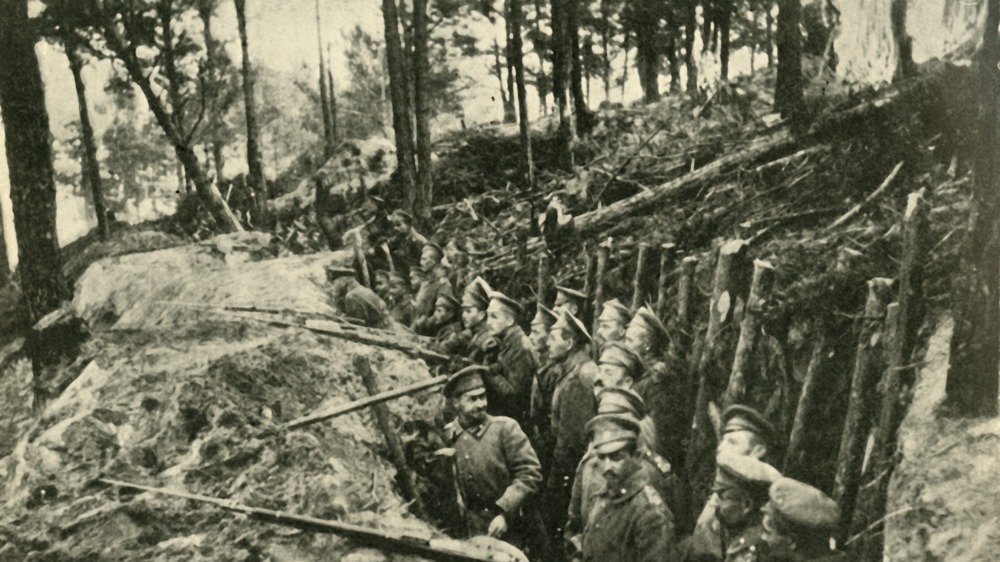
pixel 282 36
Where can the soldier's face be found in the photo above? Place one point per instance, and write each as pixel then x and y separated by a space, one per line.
pixel 471 407
pixel 472 316
pixel 497 318
pixel 539 335
pixel 609 330
pixel 609 376
pixel 559 343
pixel 733 506
pixel 742 443
pixel 616 465
pixel 428 259
pixel 637 338
pixel 562 303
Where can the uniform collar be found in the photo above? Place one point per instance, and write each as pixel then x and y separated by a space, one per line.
pixel 455 429
pixel 624 491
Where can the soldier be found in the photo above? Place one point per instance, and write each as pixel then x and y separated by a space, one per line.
pixel 435 284
pixel 496 468
pixel 443 323
pixel 406 243
pixel 798 522
pixel 469 342
pixel 540 324
pixel 628 521
pixel 570 300
pixel 358 302
pixel 661 388
pixel 566 396
pixel 512 366
pixel 611 323
pixel 744 432
pixel 400 300
pixel 741 490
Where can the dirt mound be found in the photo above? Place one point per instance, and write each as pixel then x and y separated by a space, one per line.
pixel 942 496
pixel 172 396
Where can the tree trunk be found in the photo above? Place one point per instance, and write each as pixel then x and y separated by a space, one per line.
pixel 332 88
pixel 682 328
pixel 219 161
pixel 668 258
pixel 672 60
pixel 904 43
pixel 29 162
pixel 647 53
pixel 498 72
pixel 788 87
pixel 406 165
pixel 516 52
pixel 576 66
pixel 725 22
pixel 625 64
pixel 255 162
pixel 808 398
pixel 542 78
pixel 324 95
pixel 423 198
pixel 972 376
pixel 603 253
pixel 561 63
pixel 861 404
pixel 638 279
pixel 509 112
pixel 4 260
pixel 690 29
pixel 769 35
pixel 91 168
pixel 606 49
pixel 750 332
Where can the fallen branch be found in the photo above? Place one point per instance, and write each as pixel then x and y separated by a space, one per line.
pixel 857 208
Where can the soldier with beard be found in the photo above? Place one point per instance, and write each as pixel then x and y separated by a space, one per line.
pixel 611 323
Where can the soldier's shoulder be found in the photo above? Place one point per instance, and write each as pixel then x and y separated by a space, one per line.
pixel 746 547
pixel 651 496
pixel 655 461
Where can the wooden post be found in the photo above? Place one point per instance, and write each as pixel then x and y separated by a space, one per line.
pixel 682 328
pixel 903 320
pixel 703 437
pixel 406 481
pixel 543 276
pixel 807 403
pixel 861 405
pixel 760 290
pixel 603 252
pixel 642 256
pixel 668 256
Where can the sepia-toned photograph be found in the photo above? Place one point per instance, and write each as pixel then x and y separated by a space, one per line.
pixel 499 280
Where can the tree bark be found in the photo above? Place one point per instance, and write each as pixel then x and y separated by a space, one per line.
pixel 725 22
pixel 561 63
pixel 540 82
pixel 509 110
pixel 91 168
pixel 29 162
pixel 603 253
pixel 423 198
pixel 406 163
pixel 905 67
pixel 861 404
pixel 668 258
pixel 760 290
pixel 647 50
pixel 641 264
pixel 682 328
pixel 4 259
pixel 332 88
pixel 625 37
pixel 690 29
pixel 788 87
pixel 324 95
pixel 255 162
pixel 808 398
pixel 583 117
pixel 972 376
pixel 516 53
pixel 605 8
pixel 769 35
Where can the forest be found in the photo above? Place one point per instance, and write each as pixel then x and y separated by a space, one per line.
pixel 802 194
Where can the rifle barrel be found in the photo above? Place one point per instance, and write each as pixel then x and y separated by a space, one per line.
pixel 363 403
pixel 437 549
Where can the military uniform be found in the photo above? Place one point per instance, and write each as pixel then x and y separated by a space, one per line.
pixel 427 295
pixel 497 470
pixel 798 522
pixel 747 546
pixel 508 385
pixel 361 303
pixel 628 523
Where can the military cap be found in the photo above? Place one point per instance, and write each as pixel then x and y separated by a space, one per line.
pixel 515 307
pixel 465 380
pixel 477 294
pixel 651 321
pixel 447 301
pixel 615 310
pixel 335 271
pixel 616 353
pixel 575 325
pixel 611 432
pixel 800 509
pixel 571 294
pixel 544 315
pixel 616 400
pixel 399 213
pixel 745 472
pixel 744 418
pixel 435 247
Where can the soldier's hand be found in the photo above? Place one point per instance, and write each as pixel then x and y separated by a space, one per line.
pixel 498 527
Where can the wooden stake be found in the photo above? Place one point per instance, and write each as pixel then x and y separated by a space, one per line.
pixel 407 483
pixel 641 258
pixel 683 325
pixel 543 276
pixel 603 252
pixel 807 404
pixel 760 290
pixel 668 256
pixel 861 405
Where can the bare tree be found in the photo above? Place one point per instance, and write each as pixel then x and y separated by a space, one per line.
pixel 423 194
pixel 255 161
pixel 788 87
pixel 514 10
pixel 406 167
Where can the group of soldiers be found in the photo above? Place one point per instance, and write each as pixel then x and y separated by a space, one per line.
pixel 569 458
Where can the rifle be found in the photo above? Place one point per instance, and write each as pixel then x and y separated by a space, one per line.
pixel 445 550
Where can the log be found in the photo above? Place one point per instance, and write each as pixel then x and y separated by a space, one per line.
pixel 642 256
pixel 407 484
pixel 808 399
pixel 760 291
pixel 703 436
pixel 861 404
pixel 682 327
pixel 362 403
pixel 857 208
pixel 898 377
pixel 668 257
pixel 603 252
pixel 543 277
